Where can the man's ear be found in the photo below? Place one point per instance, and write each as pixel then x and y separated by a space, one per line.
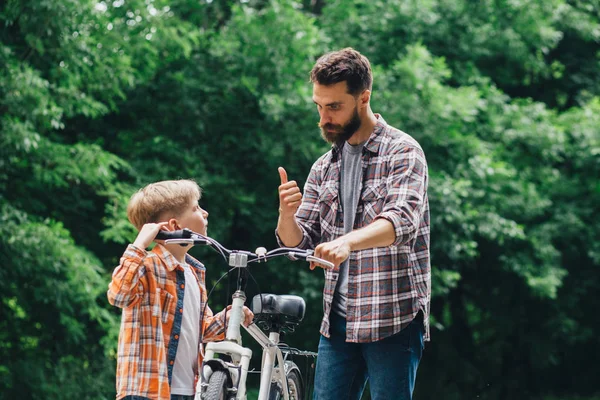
pixel 365 97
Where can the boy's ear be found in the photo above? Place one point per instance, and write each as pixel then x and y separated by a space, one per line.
pixel 173 225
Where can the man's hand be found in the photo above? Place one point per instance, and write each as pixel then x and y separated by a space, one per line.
pixel 147 234
pixel 290 195
pixel 336 251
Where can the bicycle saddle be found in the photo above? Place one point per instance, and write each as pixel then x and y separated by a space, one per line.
pixel 286 305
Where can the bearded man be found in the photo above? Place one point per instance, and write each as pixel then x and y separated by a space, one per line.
pixel 365 209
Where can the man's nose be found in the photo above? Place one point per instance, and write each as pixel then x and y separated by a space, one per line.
pixel 325 118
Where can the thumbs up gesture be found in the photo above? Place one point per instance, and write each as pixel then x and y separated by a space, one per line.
pixel 290 196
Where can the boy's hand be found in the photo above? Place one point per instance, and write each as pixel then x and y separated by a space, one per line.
pixel 147 234
pixel 248 315
pixel 290 195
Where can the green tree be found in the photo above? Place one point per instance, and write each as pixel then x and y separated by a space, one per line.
pixel 98 98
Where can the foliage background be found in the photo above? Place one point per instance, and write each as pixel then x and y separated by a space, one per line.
pixel 98 98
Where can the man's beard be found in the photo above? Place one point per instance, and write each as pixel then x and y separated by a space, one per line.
pixel 341 133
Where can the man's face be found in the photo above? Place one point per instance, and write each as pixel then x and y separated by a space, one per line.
pixel 338 111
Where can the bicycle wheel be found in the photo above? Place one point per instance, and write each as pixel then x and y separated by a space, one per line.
pixel 295 388
pixel 217 386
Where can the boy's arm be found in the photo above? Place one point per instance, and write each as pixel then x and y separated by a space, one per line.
pixel 213 326
pixel 126 287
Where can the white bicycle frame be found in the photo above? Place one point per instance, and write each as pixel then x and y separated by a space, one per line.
pixel 240 356
pixel 274 366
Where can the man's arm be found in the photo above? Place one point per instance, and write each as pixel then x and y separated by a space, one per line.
pixel 379 233
pixel 288 230
pixel 290 198
pixel 398 223
pixel 298 223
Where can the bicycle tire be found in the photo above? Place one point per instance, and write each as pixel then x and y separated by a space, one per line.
pixel 217 386
pixel 295 389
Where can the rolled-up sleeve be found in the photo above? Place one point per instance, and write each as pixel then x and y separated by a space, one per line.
pixel 406 192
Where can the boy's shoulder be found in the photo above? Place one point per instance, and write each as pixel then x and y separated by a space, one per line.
pixel 194 262
pixel 162 256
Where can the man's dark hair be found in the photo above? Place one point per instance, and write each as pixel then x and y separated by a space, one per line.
pixel 343 65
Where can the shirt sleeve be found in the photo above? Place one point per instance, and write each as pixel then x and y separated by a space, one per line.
pixel 127 285
pixel 213 326
pixel 406 192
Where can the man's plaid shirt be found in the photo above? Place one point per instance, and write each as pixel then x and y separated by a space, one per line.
pixel 149 287
pixel 387 286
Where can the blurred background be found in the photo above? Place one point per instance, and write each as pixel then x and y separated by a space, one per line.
pixel 98 98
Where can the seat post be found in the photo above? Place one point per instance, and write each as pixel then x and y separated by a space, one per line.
pixel 274 337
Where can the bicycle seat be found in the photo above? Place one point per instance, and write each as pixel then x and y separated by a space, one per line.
pixel 290 307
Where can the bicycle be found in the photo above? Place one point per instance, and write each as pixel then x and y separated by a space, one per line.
pixel 280 378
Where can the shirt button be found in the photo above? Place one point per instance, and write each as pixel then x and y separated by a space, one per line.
pixel 181 311
pixel 182 286
pixel 176 337
pixel 171 362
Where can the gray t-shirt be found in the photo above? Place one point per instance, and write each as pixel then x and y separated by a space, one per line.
pixel 351 176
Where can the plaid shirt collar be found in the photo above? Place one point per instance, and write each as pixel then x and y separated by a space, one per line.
pixel 171 262
pixel 372 143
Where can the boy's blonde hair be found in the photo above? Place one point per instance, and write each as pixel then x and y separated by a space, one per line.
pixel 162 200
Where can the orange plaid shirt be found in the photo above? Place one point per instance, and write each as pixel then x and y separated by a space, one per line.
pixel 149 287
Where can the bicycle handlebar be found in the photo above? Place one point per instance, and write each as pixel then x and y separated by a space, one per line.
pixel 181 234
pixel 239 258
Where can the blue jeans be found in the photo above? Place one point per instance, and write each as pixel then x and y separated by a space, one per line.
pixel 390 364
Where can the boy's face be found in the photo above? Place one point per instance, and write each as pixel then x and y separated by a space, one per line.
pixel 194 218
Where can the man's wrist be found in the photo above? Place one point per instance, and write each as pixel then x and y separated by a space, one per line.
pixel 347 239
pixel 285 214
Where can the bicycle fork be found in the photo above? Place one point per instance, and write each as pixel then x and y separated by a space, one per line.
pixel 231 346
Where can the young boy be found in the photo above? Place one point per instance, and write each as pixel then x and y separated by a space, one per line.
pixel 162 294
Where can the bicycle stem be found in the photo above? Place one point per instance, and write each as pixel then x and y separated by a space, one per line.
pixel 236 317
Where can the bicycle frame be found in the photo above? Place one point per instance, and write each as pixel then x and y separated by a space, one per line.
pixel 274 367
pixel 241 357
pixel 231 346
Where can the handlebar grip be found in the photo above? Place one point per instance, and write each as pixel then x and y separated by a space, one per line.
pixel 180 234
pixel 320 261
